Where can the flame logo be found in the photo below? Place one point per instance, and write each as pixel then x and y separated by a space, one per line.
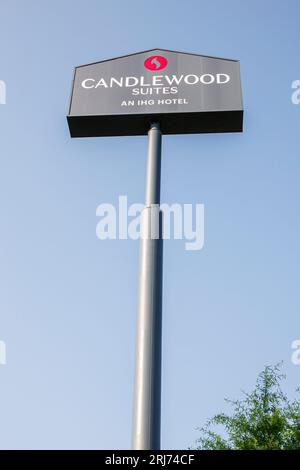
pixel 156 62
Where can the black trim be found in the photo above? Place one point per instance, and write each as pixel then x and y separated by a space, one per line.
pixel 170 123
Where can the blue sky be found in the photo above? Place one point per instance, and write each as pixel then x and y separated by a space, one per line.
pixel 68 300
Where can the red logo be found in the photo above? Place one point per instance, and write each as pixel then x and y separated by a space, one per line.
pixel 155 62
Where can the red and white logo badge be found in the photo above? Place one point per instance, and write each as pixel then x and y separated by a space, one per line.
pixel 156 62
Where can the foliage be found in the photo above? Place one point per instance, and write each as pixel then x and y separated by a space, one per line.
pixel 263 419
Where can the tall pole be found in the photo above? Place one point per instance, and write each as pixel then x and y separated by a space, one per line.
pixel 147 392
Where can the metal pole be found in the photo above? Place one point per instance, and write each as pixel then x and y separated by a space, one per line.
pixel 147 393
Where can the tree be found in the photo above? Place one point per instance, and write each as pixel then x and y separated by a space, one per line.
pixel 264 419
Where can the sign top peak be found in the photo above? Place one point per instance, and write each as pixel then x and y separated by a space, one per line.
pixel 155 50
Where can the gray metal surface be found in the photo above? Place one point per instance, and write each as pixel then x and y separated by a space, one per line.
pixel 147 391
pixel 115 97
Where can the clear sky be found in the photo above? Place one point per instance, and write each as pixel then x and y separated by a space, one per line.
pixel 68 300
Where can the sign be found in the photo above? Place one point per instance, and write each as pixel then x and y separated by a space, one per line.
pixel 185 93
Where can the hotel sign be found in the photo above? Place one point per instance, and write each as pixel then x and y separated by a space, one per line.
pixel 185 93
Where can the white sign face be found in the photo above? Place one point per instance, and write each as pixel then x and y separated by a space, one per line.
pixel 185 93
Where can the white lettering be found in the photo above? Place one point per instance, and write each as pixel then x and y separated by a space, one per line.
pixel 117 82
pixel 225 80
pixel 2 92
pixel 207 79
pixel 101 82
pixel 134 81
pixel 173 79
pixel 143 82
pixel 157 79
pixel 296 354
pixel 84 83
pixel 2 353
pixel 158 82
pixel 198 234
pixel 106 228
pixel 191 79
pixel 296 94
